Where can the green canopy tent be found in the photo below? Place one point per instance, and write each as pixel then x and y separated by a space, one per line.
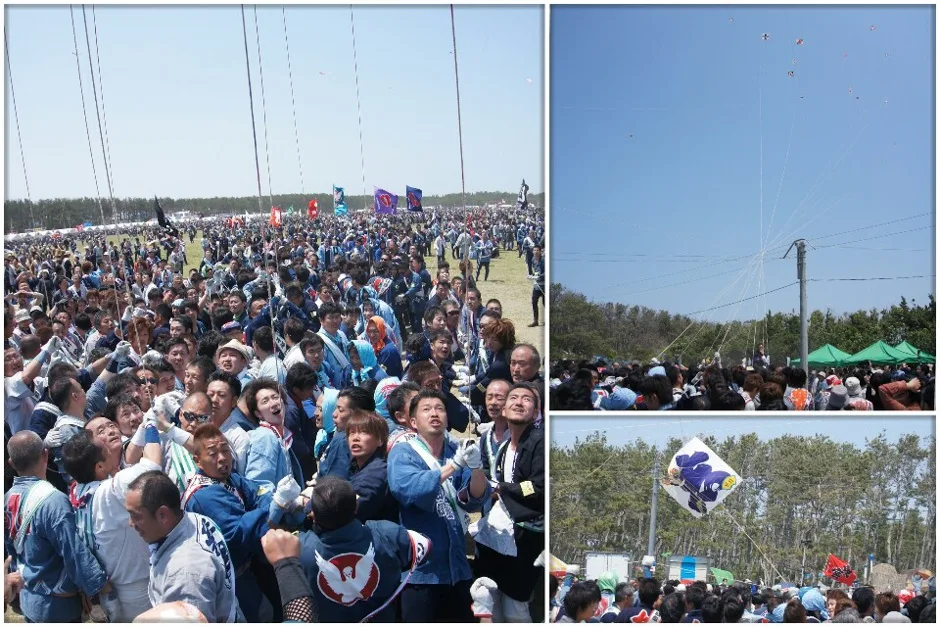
pixel 827 355
pixel 916 355
pixel 879 353
pixel 721 575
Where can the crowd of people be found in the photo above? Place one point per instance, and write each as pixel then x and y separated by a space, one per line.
pixel 597 385
pixel 303 424
pixel 612 600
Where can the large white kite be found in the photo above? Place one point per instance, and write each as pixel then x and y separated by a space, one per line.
pixel 698 479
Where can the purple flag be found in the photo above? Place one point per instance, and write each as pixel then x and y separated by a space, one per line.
pixel 385 202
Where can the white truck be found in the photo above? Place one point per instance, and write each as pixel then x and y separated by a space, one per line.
pixel 596 564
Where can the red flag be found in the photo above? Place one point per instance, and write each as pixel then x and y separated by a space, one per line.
pixel 313 209
pixel 839 571
pixel 275 220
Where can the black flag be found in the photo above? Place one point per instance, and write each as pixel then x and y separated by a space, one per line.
pixel 523 201
pixel 161 219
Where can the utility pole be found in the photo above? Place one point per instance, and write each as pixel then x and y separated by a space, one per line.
pixel 804 322
pixel 649 561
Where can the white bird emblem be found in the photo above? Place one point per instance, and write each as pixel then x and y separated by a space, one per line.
pixel 348 586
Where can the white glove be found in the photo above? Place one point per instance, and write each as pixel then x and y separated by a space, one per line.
pixel 168 404
pixel 52 345
pixel 468 455
pixel 460 369
pixel 286 493
pixel 152 356
pixel 475 417
pixel 128 313
pixel 482 592
pixel 122 351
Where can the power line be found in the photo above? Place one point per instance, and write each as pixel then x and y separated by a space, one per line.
pixel 362 154
pixel 264 109
pixel 81 91
pixel 293 105
pixel 879 278
pixel 251 105
pixel 19 136
pixel 783 287
pixel 104 114
pixel 94 91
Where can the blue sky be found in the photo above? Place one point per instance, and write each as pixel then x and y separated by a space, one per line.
pixel 658 430
pixel 176 99
pixel 663 218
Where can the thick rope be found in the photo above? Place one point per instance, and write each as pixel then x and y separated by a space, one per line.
pixel 81 92
pixel 290 77
pixel 19 136
pixel 94 91
pixel 104 115
pixel 264 109
pixel 251 105
pixel 463 186
pixel 362 154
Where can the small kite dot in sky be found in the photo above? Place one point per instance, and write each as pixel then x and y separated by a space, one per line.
pixel 790 73
pixel 324 73
pixel 528 80
pixel 630 135
pixel 765 36
pixel 794 61
pixel 872 27
pixel 850 90
pixel 730 20
pixel 799 42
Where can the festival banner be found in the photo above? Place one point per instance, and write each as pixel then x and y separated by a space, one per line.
pixel 339 201
pixel 698 479
pixel 276 216
pixel 290 210
pixel 839 571
pixel 413 195
pixel 313 209
pixel 385 203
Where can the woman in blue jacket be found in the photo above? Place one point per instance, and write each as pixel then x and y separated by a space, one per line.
pixel 367 435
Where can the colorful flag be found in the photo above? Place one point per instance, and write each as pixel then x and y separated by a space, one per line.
pixel 385 202
pixel 413 194
pixel 339 201
pixel 290 210
pixel 313 209
pixel 698 479
pixel 275 219
pixel 839 571
pixel 523 200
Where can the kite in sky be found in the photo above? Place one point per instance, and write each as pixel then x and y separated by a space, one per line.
pixel 799 42
pixel 698 479
pixel 790 73
pixel 765 36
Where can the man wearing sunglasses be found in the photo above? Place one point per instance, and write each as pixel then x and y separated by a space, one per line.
pixel 195 412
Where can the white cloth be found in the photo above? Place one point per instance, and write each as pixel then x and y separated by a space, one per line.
pixel 18 402
pixel 272 368
pixel 240 442
pixel 294 356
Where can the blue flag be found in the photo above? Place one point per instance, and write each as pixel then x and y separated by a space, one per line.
pixel 339 201
pixel 413 194
pixel 385 202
